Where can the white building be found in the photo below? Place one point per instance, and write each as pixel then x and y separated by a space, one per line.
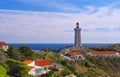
pixel 64 51
pixel 103 53
pixel 38 67
pixel 75 55
pixel 3 45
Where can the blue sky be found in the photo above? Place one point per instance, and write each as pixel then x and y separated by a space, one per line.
pixel 54 5
pixel 53 21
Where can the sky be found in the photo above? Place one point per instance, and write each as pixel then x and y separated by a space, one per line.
pixel 53 21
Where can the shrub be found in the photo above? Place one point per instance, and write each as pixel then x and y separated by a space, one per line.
pixel 3 72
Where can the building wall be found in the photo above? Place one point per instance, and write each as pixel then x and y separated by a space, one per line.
pixel 5 47
pixel 37 70
pixel 32 72
pixel 32 64
pixel 77 37
pixel 64 51
pixel 76 57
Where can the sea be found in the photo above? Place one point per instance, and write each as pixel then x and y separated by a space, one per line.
pixel 55 46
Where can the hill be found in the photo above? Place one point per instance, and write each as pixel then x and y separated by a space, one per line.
pixel 11 62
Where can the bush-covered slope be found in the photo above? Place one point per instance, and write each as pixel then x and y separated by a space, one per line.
pixel 11 62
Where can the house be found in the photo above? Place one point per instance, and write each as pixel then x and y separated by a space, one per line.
pixel 57 66
pixel 75 55
pixel 38 67
pixel 3 45
pixel 64 51
pixel 103 53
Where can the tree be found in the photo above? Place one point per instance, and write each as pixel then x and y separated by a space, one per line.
pixel 26 52
pixel 2 56
pixel 3 72
pixel 14 54
pixel 4 65
pixel 16 67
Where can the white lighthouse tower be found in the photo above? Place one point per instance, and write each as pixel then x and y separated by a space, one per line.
pixel 77 35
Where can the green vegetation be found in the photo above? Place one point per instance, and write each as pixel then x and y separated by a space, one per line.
pixel 11 63
pixel 3 72
pixel 16 67
pixel 91 66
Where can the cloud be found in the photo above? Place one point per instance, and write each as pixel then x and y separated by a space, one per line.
pixel 44 26
pixel 101 30
pixel 117 29
pixel 98 25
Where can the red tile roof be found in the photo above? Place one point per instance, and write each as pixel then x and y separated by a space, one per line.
pixel 28 61
pixel 2 43
pixel 43 63
pixel 103 52
pixel 73 53
pixel 39 62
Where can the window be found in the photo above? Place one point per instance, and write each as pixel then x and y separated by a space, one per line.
pixel 38 70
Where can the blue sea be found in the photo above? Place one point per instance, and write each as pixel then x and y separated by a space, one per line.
pixel 53 46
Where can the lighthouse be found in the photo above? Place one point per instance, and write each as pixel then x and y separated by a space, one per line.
pixel 77 35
